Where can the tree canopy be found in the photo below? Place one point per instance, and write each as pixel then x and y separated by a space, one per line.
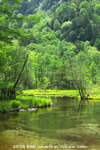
pixel 49 44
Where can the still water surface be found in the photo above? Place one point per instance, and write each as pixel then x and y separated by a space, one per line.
pixel 68 124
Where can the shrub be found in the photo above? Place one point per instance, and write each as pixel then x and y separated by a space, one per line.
pixel 15 104
pixel 24 106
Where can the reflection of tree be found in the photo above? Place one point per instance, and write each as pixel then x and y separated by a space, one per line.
pixel 82 105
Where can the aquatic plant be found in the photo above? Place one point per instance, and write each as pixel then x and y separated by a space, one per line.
pixel 32 101
pixel 24 106
pixel 15 104
pixel 24 102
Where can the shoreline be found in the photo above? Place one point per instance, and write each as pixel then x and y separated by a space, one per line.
pixel 30 109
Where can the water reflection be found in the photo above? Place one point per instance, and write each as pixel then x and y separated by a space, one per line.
pixel 69 121
pixel 82 105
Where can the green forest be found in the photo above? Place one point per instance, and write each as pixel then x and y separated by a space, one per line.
pixel 49 74
pixel 52 44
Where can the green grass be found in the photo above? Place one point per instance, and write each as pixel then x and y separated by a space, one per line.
pixel 24 102
pixel 15 104
pixel 30 98
pixel 57 93
pixel 94 93
pixel 32 101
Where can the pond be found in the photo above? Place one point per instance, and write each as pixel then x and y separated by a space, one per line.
pixel 68 124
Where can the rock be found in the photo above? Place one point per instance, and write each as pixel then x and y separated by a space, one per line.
pixel 32 109
pixel 22 110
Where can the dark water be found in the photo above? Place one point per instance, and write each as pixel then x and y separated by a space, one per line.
pixel 68 124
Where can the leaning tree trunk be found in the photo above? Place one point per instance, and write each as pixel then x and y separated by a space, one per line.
pixel 12 92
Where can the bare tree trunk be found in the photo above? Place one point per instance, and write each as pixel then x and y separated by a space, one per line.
pixel 21 72
pixel 12 92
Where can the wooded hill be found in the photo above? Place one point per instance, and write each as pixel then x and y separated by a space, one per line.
pixel 49 44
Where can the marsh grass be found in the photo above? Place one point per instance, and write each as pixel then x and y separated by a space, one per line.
pixel 92 94
pixel 15 104
pixel 24 102
pixel 40 98
pixel 56 93
pixel 32 101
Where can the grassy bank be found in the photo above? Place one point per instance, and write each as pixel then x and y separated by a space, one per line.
pixel 33 98
pixel 24 102
pixel 94 93
pixel 56 93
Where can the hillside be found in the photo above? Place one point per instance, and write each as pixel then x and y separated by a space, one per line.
pixel 50 44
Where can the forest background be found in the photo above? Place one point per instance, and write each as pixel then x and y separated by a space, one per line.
pixel 49 44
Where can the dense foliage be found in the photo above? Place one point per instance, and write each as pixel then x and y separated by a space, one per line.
pixel 49 44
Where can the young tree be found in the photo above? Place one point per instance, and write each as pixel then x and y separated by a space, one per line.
pixel 79 74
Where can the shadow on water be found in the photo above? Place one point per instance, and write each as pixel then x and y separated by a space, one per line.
pixel 69 121
pixel 82 105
